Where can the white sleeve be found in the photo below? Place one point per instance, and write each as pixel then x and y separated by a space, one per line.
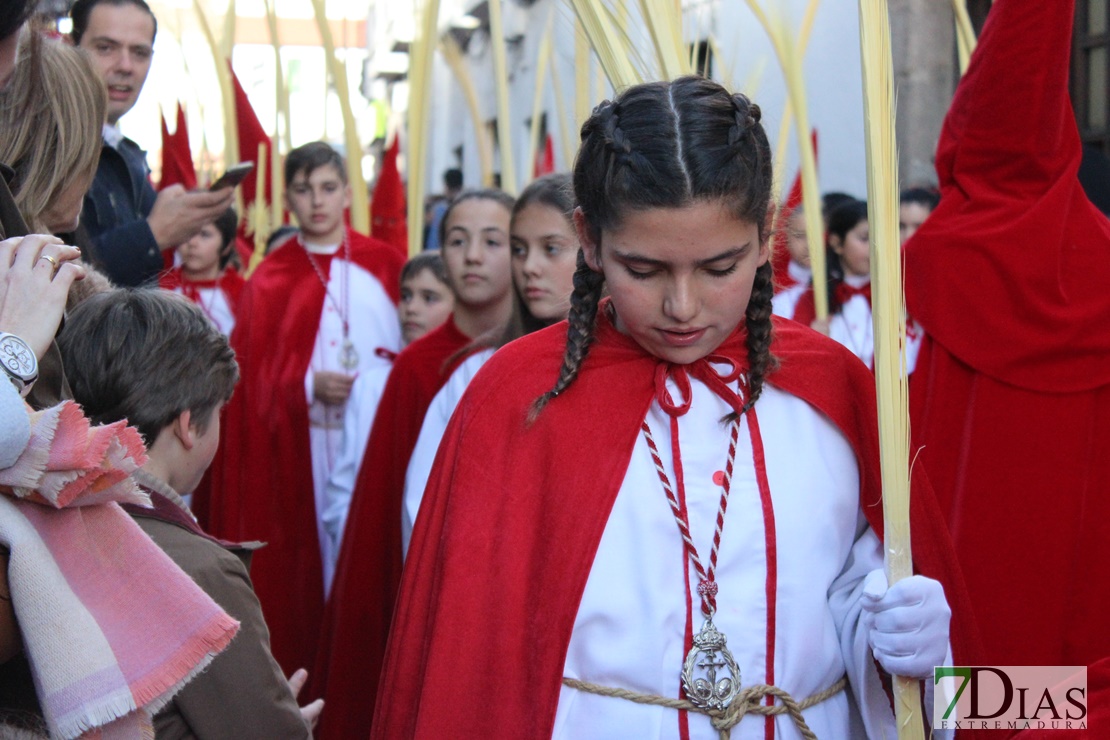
pixel 15 426
pixel 423 455
pixel 309 386
pixel 914 337
pixel 431 434
pixel 844 601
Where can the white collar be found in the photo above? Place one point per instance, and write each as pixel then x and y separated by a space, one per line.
pixel 321 248
pixel 857 281
pixel 112 135
pixel 799 273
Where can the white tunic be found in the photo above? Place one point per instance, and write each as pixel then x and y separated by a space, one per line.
pixel 373 324
pixel 358 419
pixel 629 629
pixel 216 307
pixel 431 434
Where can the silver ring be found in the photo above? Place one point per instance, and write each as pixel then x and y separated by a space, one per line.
pixel 51 260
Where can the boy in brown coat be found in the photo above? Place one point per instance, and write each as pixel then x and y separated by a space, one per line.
pixel 153 358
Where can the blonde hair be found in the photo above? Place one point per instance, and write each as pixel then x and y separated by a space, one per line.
pixel 52 117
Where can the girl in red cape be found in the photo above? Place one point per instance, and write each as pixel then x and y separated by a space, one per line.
pixel 1010 401
pixel 475 239
pixel 671 498
pixel 544 251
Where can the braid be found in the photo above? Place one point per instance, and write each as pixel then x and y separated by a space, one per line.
pixel 748 116
pixel 758 318
pixel 580 330
pixel 608 124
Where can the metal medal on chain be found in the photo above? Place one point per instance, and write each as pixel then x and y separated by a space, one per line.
pixel 710 673
pixel 348 355
pixel 710 654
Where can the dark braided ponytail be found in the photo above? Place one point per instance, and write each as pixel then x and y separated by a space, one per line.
pixel 758 321
pixel 669 145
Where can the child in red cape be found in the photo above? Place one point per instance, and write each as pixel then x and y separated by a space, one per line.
pixel 574 541
pixel 544 249
pixel 203 275
pixel 312 316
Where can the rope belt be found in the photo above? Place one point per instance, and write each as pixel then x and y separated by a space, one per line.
pixel 748 701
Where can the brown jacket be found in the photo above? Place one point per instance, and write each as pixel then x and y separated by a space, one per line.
pixel 242 694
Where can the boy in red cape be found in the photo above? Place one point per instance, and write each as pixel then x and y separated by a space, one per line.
pixel 1011 396
pixel 562 555
pixel 312 315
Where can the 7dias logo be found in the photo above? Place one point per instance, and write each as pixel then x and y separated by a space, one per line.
pixel 1010 698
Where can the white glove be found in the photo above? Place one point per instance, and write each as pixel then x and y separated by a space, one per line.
pixel 907 624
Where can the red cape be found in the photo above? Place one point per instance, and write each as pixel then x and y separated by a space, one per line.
pixel 512 517
pixel 230 282
pixel 262 476
pixel 360 608
pixel 1011 394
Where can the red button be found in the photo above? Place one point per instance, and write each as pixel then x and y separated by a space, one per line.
pixel 719 477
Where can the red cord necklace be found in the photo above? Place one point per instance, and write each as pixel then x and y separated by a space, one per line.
pixel 709 652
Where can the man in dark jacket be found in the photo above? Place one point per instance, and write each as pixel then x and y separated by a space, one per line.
pixel 130 225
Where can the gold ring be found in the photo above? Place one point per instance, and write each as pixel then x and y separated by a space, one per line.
pixel 51 260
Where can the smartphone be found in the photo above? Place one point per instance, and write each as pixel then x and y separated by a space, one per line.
pixel 233 176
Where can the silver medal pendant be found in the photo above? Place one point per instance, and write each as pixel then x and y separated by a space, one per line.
pixel 710 676
pixel 348 356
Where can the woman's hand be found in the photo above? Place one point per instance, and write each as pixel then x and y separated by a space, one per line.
pixel 35 274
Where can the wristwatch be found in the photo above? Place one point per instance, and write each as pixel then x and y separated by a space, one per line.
pixel 19 362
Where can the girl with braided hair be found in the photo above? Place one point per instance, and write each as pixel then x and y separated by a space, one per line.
pixel 573 572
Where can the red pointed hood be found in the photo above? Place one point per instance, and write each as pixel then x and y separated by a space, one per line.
pixel 251 135
pixel 1009 274
pixel 177 157
pixel 387 207
pixel 780 255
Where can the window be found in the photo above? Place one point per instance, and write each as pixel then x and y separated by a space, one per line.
pixel 1090 72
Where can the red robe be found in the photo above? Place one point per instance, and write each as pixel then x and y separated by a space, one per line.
pixel 1011 397
pixel 262 486
pixel 360 608
pixel 513 515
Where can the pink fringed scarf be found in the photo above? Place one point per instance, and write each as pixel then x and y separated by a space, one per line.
pixel 111 627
